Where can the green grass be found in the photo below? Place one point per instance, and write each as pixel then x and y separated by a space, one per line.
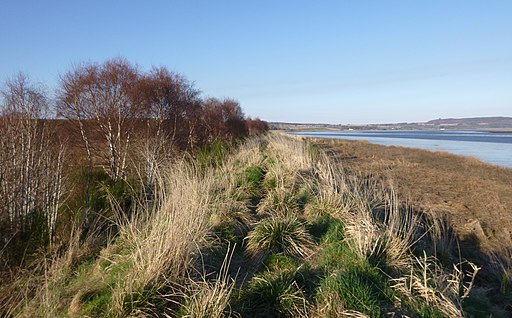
pixel 212 155
pixel 360 288
pixel 250 184
pixel 335 253
pixel 276 262
pixel 93 284
pixel 253 176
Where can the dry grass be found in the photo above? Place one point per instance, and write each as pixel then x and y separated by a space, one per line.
pixel 464 190
pixel 290 152
pixel 164 236
pixel 429 283
pixel 38 291
pixel 332 196
pixel 210 299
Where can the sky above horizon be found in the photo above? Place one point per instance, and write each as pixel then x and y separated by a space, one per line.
pixel 338 62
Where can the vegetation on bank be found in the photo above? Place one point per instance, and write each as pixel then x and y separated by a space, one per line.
pixel 104 133
pixel 269 228
pixel 144 199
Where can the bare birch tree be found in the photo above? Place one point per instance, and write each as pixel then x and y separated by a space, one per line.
pixel 30 164
pixel 100 100
pixel 223 120
pixel 169 101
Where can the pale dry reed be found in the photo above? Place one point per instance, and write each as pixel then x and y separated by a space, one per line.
pixel 207 299
pixel 429 283
pixel 330 189
pixel 291 152
pixel 165 236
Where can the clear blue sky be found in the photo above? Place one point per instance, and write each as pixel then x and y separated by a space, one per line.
pixel 297 61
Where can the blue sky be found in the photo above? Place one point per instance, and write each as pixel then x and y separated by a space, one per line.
pixel 296 61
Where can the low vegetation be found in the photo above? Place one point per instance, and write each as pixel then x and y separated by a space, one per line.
pixel 271 227
pixel 143 199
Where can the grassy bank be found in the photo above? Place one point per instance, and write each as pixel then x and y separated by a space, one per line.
pixel 473 196
pixel 273 228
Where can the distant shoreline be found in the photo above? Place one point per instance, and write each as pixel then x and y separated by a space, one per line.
pixel 490 147
pixel 488 124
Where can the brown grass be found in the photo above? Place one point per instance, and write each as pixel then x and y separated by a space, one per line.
pixel 474 196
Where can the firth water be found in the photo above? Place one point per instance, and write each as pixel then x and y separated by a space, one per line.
pixel 490 147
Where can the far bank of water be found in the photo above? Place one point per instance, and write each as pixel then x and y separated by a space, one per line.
pixel 494 148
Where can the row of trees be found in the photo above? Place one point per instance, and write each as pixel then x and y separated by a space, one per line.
pixel 110 116
pixel 110 102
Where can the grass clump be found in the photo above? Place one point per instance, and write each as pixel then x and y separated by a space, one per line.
pixel 279 202
pixel 274 294
pixel 287 235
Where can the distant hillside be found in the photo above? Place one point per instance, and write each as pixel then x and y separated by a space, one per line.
pixel 475 122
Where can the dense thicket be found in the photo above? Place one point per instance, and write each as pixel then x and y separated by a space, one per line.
pixel 107 129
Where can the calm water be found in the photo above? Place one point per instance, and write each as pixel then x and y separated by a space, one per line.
pixel 494 148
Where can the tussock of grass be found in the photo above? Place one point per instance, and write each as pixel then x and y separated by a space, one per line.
pixel 279 202
pixel 275 294
pixel 287 235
